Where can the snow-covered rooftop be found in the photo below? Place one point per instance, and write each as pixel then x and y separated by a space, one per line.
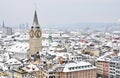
pixel 31 68
pixel 13 61
pixel 77 66
pixel 19 47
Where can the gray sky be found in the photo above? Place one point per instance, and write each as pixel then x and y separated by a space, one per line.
pixel 16 12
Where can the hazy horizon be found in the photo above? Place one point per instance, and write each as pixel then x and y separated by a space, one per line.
pixel 50 12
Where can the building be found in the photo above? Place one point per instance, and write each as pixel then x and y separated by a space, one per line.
pixel 19 50
pixel 92 51
pixel 103 65
pixel 6 30
pixel 35 40
pixel 103 69
pixel 115 67
pixel 71 70
pixel 30 71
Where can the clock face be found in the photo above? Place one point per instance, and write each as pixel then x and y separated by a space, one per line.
pixel 31 33
pixel 38 33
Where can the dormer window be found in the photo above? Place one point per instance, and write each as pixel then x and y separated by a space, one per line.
pixel 32 27
pixel 69 68
pixel 33 68
pixel 27 67
pixel 82 66
pixel 25 47
pixel 85 66
pixel 76 67
pixel 73 68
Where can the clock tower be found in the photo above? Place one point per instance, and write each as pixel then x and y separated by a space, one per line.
pixel 35 36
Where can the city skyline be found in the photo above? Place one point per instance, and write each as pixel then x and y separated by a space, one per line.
pixel 59 12
pixel 59 39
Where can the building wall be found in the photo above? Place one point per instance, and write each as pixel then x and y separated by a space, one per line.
pixel 20 55
pixel 91 73
pixel 99 66
pixel 103 68
pixel 34 74
pixel 17 75
pixel 7 31
pixel 106 71
pixel 77 74
pixel 35 45
pixel 94 52
pixel 114 69
pixel 38 74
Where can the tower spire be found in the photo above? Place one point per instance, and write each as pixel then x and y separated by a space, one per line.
pixel 3 24
pixel 35 20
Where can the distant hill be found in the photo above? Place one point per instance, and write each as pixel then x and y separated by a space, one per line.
pixel 90 26
pixel 78 26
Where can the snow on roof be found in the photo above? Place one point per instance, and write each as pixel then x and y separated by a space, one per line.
pixel 74 32
pixel 109 44
pixel 4 56
pixel 118 54
pixel 65 35
pixel 116 59
pixel 104 57
pixel 52 48
pixel 51 52
pixel 46 43
pixel 19 47
pixel 13 61
pixel 1 58
pixel 53 35
pixel 31 68
pixel 23 37
pixel 116 32
pixel 60 48
pixel 54 44
pixel 2 65
pixel 58 54
pixel 77 66
pixel 3 77
pixel 17 33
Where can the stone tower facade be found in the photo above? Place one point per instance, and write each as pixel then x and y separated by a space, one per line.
pixel 35 33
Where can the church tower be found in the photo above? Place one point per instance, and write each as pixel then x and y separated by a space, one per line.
pixel 35 33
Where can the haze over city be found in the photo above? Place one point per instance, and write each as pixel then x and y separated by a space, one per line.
pixel 15 12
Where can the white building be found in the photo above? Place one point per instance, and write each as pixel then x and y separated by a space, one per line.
pixel 115 67
pixel 20 50
pixel 7 31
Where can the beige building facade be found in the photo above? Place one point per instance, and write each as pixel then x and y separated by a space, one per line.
pixel 35 33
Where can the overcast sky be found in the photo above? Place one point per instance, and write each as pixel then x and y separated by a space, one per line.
pixel 15 12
